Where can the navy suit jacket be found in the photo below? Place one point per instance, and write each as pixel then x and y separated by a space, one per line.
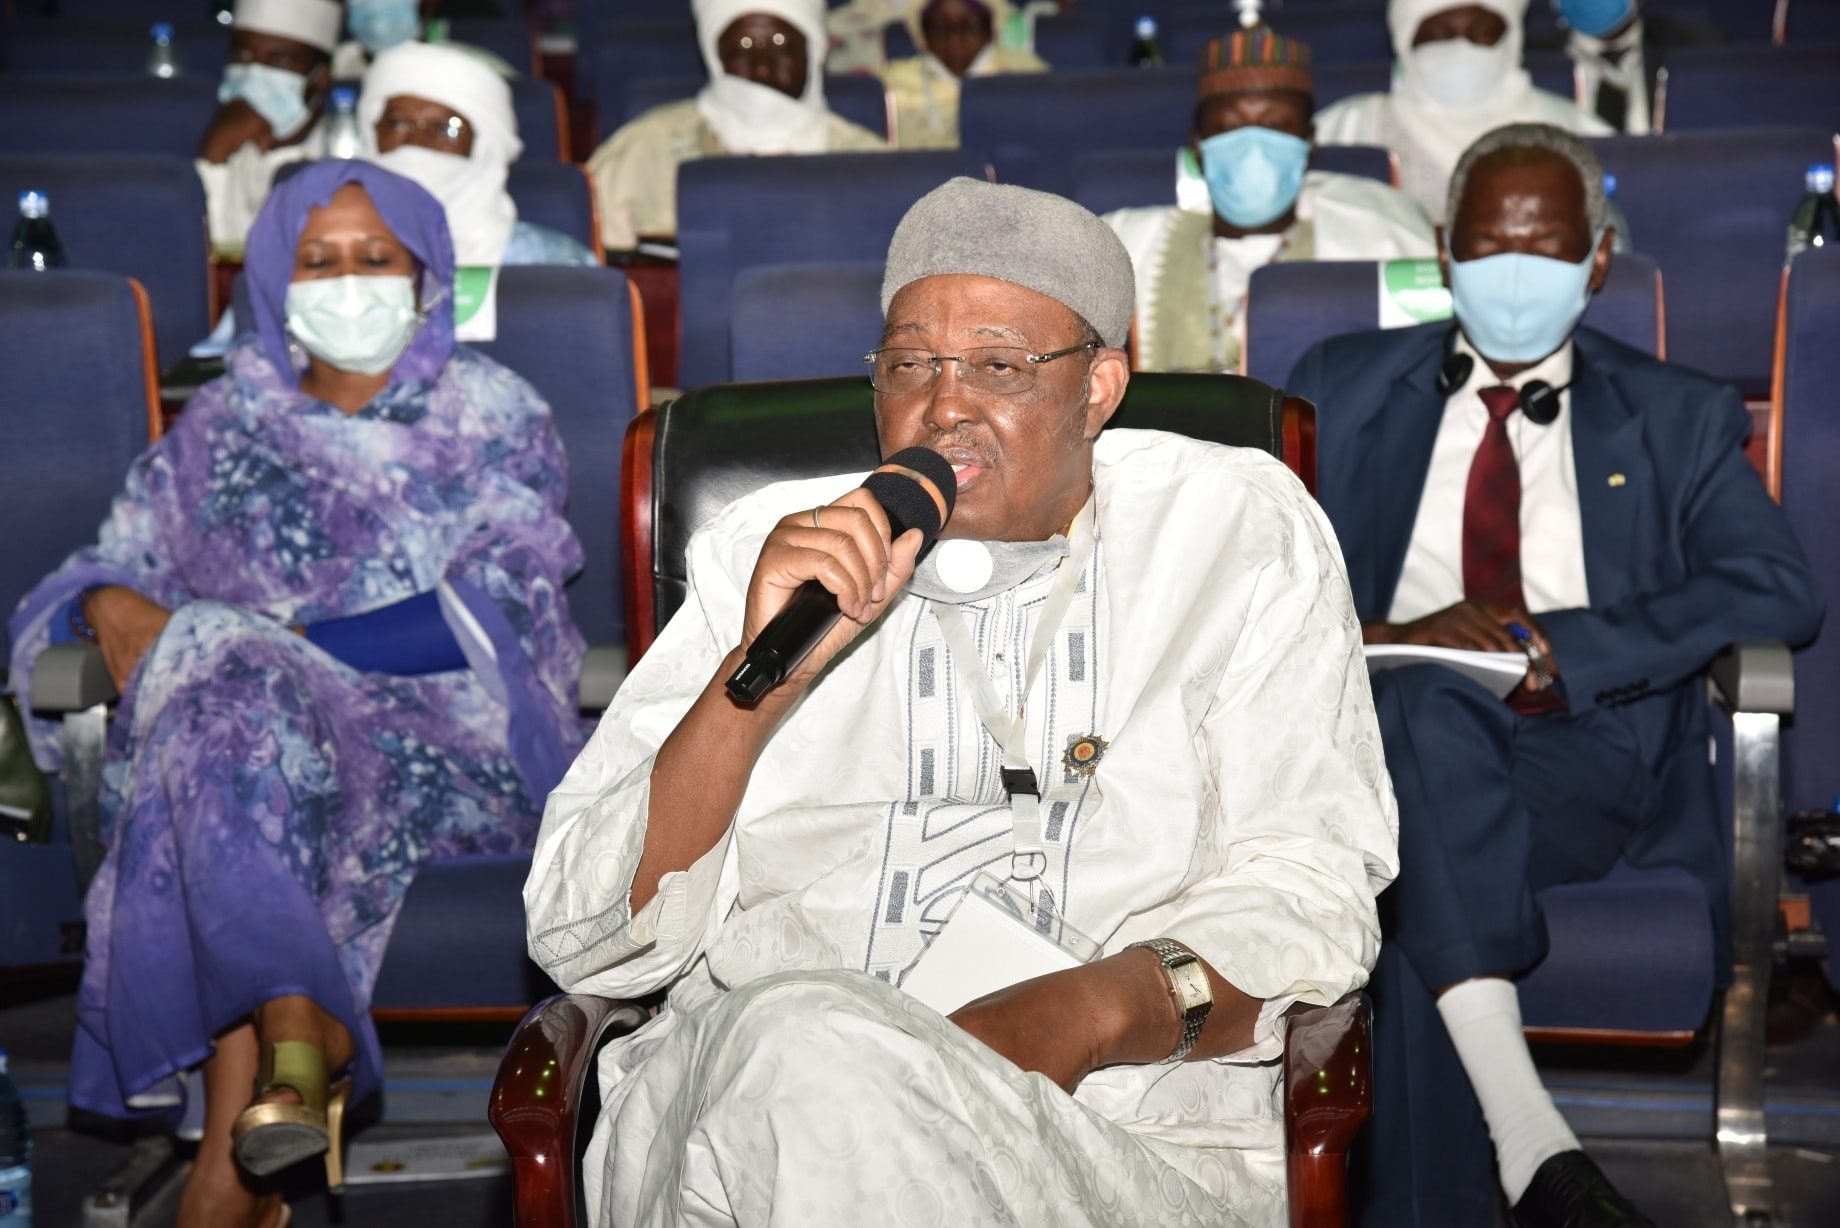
pixel 1685 552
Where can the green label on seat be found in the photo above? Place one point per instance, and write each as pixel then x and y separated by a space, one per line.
pixel 1412 292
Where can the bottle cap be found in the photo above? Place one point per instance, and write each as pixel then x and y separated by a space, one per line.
pixel 2 1061
pixel 1820 177
pixel 1609 186
pixel 162 31
pixel 34 204
pixel 344 97
pixel 1146 27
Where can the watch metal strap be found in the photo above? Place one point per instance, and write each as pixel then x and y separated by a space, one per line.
pixel 1174 954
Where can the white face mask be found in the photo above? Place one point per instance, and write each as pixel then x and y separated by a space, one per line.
pixel 1457 73
pixel 355 323
pixel 277 95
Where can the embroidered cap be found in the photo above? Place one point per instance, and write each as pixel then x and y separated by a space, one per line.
pixel 1255 60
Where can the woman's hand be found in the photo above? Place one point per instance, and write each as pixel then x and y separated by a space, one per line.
pixel 846 547
pixel 126 625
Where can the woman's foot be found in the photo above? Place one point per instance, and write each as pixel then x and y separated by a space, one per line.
pixel 218 1195
pixel 298 1110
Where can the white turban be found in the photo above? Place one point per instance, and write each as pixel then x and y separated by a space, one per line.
pixel 313 22
pixel 1434 134
pixel 751 118
pixel 480 212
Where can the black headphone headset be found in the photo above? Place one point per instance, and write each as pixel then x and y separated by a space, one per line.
pixel 1539 400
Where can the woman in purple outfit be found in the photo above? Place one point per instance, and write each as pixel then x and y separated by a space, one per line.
pixel 332 600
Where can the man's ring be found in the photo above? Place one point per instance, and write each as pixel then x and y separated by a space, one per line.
pixel 814 519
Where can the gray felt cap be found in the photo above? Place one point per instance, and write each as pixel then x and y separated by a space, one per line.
pixel 1037 240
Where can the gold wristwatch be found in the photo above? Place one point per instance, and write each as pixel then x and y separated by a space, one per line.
pixel 1188 985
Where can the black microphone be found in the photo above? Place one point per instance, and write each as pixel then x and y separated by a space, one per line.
pixel 909 486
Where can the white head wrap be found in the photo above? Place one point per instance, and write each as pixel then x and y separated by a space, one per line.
pixel 480 212
pixel 313 22
pixel 750 118
pixel 1435 133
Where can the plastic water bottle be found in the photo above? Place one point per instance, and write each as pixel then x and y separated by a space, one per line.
pixel 1613 214
pixel 36 245
pixel 15 1155
pixel 1816 221
pixel 1146 51
pixel 343 138
pixel 163 59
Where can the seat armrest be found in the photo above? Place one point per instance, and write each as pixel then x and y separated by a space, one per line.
pixel 1328 1095
pixel 603 668
pixel 538 1099
pixel 70 678
pixel 1758 676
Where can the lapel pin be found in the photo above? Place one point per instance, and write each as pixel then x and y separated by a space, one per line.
pixel 1083 755
pixel 1617 479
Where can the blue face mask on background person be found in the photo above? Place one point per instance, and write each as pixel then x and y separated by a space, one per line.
pixel 277 95
pixel 1253 174
pixel 1596 17
pixel 382 24
pixel 1519 308
pixel 355 323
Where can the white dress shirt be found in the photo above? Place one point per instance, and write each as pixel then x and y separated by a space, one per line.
pixel 1552 529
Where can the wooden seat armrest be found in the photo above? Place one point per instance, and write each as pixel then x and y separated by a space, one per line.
pixel 537 1099
pixel 1328 1094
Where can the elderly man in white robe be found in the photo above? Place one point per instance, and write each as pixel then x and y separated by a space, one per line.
pixel 1248 201
pixel 1155 634
pixel 1457 74
pixel 272 103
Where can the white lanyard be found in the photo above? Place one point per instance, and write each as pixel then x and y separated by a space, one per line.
pixel 1027 858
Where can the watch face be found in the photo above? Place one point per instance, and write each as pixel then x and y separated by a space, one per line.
pixel 1191 985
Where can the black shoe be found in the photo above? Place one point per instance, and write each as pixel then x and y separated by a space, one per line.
pixel 1570 1191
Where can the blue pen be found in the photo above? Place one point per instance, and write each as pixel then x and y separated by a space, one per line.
pixel 1535 657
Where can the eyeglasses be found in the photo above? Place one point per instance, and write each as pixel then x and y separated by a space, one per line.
pixel 1000 370
pixel 449 131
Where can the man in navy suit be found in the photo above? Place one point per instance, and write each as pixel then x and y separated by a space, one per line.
pixel 1519 484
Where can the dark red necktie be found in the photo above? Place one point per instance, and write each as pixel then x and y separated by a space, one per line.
pixel 1492 526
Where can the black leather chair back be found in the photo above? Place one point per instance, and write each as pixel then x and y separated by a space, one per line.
pixel 714 445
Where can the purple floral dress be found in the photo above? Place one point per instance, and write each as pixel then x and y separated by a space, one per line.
pixel 265 806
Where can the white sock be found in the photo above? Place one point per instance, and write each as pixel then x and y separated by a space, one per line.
pixel 1483 1017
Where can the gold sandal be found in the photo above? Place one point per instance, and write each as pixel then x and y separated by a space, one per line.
pixel 270 1136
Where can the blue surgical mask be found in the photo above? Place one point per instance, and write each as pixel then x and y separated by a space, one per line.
pixel 1596 17
pixel 1253 174
pixel 355 323
pixel 1519 308
pixel 278 96
pixel 382 24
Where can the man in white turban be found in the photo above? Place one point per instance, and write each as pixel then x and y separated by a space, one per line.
pixel 442 116
pixel 765 96
pixel 1457 74
pixel 956 39
pixel 273 98
pixel 1124 695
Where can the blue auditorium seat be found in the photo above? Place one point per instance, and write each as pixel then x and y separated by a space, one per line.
pixel 81 404
pixel 1731 87
pixel 1811 21
pixel 620 52
pixel 805 321
pixel 507 38
pixel 1712 208
pixel 860 99
pixel 1804 399
pixel 1074 39
pixel 1032 127
pixel 541 121
pixel 1111 179
pixel 127 215
pixel 558 195
pixel 67 45
pixel 733 213
pixel 1292 306
pixel 100 114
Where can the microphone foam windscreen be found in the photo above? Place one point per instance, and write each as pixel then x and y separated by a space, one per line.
pixel 908 503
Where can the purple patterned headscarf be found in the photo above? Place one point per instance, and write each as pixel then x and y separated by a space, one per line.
pixel 415 217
